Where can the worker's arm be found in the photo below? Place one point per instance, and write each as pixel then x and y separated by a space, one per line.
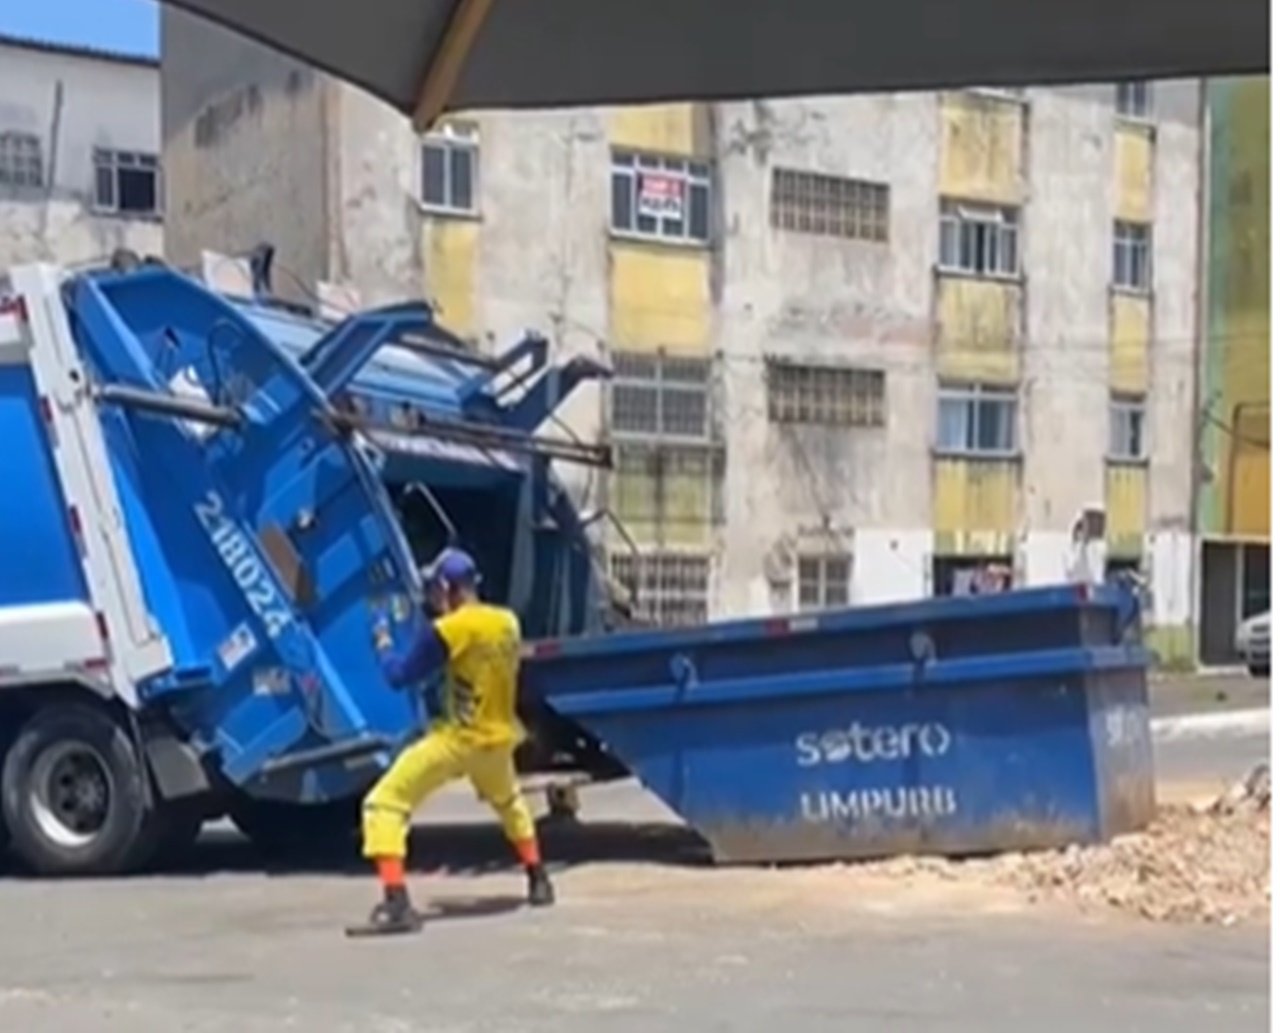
pixel 427 653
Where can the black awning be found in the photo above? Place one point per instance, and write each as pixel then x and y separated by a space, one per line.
pixel 429 56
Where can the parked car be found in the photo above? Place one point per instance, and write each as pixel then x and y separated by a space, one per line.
pixel 1253 643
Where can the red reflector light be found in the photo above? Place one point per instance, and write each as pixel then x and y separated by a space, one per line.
pixel 73 518
pixel 541 649
pixel 46 410
pixel 777 627
pixel 96 664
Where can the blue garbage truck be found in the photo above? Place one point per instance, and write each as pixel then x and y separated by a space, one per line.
pixel 211 502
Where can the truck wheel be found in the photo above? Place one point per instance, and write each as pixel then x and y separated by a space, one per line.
pixel 74 795
pixel 1260 670
pixel 299 831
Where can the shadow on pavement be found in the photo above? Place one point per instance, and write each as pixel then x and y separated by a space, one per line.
pixel 454 849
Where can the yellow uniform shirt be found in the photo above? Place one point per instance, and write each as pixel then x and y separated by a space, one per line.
pixel 479 692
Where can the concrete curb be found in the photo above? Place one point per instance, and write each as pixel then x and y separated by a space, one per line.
pixel 1228 724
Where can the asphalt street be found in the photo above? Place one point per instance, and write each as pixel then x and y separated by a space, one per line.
pixel 646 937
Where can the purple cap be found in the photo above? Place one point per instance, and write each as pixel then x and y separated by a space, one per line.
pixel 453 567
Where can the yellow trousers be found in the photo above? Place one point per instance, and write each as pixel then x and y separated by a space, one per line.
pixel 433 761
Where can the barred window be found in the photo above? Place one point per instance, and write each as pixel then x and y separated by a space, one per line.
pixel 672 588
pixel 450 167
pixel 978 240
pixel 830 206
pixel 660 396
pixel 840 395
pixel 21 160
pixel 822 581
pixel 664 198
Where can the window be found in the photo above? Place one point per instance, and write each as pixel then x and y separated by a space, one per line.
pixel 822 581
pixel 830 206
pixel 450 160
pixel 837 395
pixel 977 240
pixel 663 198
pixel 1133 99
pixel 977 420
pixel 1131 256
pixel 661 396
pixel 1128 428
pixel 671 588
pixel 21 162
pixel 126 182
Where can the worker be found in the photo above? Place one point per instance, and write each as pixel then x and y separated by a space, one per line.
pixel 478 646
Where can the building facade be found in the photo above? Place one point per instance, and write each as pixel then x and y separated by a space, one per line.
pixel 1234 499
pixel 79 153
pixel 865 349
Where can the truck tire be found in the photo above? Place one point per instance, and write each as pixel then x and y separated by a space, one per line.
pixel 295 831
pixel 74 793
pixel 171 833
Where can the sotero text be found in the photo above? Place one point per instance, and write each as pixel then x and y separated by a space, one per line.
pixel 863 744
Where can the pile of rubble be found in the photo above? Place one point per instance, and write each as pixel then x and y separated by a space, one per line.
pixel 1209 862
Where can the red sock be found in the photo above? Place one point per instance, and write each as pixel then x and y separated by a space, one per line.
pixel 391 872
pixel 528 852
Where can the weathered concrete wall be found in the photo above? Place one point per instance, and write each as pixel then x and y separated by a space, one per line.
pixel 1175 338
pixel 538 252
pixel 74 104
pixel 1067 261
pixel 861 491
pixel 245 150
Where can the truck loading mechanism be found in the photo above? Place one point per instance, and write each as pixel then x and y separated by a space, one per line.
pixel 216 499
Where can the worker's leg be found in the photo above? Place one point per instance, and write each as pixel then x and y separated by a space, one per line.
pixel 493 774
pixel 419 771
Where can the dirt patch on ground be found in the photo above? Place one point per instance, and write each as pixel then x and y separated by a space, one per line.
pixel 1207 862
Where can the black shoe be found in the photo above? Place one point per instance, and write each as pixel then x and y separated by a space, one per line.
pixel 390 917
pixel 541 892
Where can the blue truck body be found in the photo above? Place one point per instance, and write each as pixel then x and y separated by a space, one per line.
pixel 215 501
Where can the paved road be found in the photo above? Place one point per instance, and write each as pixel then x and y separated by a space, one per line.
pixel 646 938
pixel 631 948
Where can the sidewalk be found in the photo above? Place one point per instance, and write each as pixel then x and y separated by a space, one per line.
pixel 1178 694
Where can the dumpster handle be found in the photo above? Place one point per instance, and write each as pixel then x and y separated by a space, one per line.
pixel 923 650
pixel 684 672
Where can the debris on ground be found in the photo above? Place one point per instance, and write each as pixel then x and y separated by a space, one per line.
pixel 1208 862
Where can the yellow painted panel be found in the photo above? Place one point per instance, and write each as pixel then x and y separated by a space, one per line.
pixel 450 275
pixel 1134 150
pixel 676 512
pixel 975 506
pixel 660 297
pixel 1250 503
pixel 1130 339
pixel 1126 508
pixel 978 329
pixel 663 128
pixel 981 149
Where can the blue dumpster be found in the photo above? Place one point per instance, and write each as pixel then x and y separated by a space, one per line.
pixel 950 726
